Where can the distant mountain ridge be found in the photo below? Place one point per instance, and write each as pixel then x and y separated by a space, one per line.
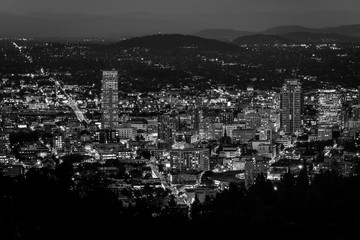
pixel 42 25
pixel 350 30
pixel 290 28
pixel 312 37
pixel 347 33
pixel 261 39
pixel 295 37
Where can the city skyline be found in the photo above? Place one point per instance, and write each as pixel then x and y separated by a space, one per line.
pixel 107 133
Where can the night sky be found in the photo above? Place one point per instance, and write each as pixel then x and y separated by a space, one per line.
pixel 183 6
pixel 237 14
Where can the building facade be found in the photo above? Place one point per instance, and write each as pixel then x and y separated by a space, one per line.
pixel 291 100
pixel 109 99
pixel 190 159
pixel 166 129
pixel 329 107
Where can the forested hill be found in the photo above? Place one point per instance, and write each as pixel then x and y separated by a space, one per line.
pixel 174 41
pixel 226 35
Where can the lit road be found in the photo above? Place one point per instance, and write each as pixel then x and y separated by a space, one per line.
pixel 71 103
pixel 29 58
pixel 79 114
pixel 164 183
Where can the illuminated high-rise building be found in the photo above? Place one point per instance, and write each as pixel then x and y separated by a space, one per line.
pixel 109 99
pixel 291 101
pixel 329 107
pixel 198 115
pixel 166 129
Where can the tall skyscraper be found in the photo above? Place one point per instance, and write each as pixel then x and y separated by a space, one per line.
pixel 166 129
pixel 197 119
pixel 291 101
pixel 109 99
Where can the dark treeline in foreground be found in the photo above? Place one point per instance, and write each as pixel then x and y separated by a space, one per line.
pixel 44 205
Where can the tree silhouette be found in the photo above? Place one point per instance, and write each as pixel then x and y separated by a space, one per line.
pixel 64 173
pixel 196 208
pixel 225 140
pixel 302 181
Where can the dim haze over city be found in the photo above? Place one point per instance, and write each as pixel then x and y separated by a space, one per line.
pixel 237 119
pixel 171 16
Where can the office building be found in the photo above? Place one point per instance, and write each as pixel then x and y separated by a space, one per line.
pixel 109 99
pixel 166 129
pixel 329 107
pixel 198 115
pixel 190 159
pixel 291 101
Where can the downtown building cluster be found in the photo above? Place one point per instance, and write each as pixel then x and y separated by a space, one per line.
pixel 176 136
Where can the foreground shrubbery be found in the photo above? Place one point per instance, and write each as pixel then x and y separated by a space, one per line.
pixel 41 206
